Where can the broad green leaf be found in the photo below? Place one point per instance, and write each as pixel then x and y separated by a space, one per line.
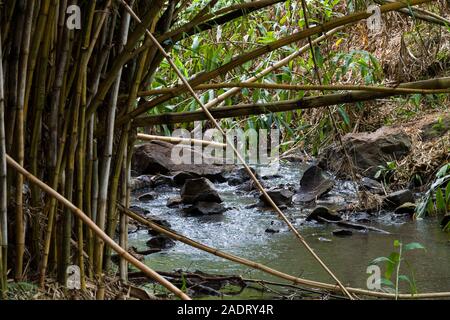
pixel 413 245
pixel 441 206
pixel 381 259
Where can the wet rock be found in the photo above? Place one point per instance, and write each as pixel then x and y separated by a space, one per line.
pixel 158 221
pixel 271 230
pixel 342 232
pixel 180 177
pixel 248 186
pixel 158 157
pixel 314 183
pixel 201 189
pixel 322 212
pixel 367 151
pixel 160 242
pixel 240 176
pixel 270 177
pixel 174 202
pixel 147 197
pixel 162 180
pixel 279 196
pixel 396 199
pixel 139 210
pixel 205 209
pixel 141 182
pixel 406 208
pixel 371 185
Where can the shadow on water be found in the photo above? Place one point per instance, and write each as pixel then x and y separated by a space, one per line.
pixel 241 231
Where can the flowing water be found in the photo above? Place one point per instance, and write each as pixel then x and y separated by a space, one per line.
pixel 241 231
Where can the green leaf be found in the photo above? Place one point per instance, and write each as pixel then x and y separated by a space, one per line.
pixel 443 171
pixel 390 267
pixel 387 282
pixel 413 246
pixel 380 259
pixel 397 243
pixel 440 201
pixel 447 193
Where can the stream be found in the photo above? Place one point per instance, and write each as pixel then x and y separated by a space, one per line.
pixel 242 231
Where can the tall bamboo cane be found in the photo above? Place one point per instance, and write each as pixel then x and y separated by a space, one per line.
pixel 3 184
pixel 20 127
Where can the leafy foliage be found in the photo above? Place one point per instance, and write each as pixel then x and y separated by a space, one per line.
pixel 392 267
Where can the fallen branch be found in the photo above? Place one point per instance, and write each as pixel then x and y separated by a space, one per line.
pixel 305 103
pixel 148 137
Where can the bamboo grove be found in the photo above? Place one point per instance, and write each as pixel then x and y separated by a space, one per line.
pixel 69 112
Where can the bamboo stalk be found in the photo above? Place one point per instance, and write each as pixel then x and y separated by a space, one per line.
pixel 282 106
pixel 238 155
pixel 148 137
pixel 114 185
pixel 258 266
pixel 77 212
pixel 277 86
pixel 20 127
pixel 3 185
pixel 37 119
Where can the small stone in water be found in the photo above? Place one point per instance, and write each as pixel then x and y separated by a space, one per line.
pixel 342 232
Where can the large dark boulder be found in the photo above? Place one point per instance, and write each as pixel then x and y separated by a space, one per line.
pixel 279 196
pixel 314 183
pixel 201 189
pixel 367 151
pixel 157 157
pixel 398 198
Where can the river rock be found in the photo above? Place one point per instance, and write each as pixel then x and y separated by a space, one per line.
pixel 342 232
pixel 398 198
pixel 158 221
pixel 141 182
pixel 180 177
pixel 156 158
pixel 322 212
pixel 371 185
pixel 205 209
pixel 314 183
pixel 160 242
pixel 147 197
pixel 162 180
pixel 406 208
pixel 201 189
pixel 279 196
pixel 139 210
pixel 174 202
pixel 367 151
pixel 239 176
